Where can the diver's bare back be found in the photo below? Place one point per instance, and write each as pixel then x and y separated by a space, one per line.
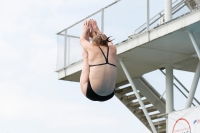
pixel 102 77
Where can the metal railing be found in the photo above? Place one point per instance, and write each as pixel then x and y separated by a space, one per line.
pixel 66 56
pixel 176 7
pixel 66 49
pixel 101 10
pixel 182 87
pixel 158 16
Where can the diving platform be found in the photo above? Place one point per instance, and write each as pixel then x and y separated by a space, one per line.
pixel 174 43
pixel 167 44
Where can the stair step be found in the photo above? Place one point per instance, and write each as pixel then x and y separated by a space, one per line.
pixel 149 109
pixel 130 97
pixel 162 130
pixel 160 123
pixel 153 117
pixel 124 90
pixel 137 104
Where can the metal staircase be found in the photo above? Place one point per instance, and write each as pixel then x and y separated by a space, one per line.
pixel 154 103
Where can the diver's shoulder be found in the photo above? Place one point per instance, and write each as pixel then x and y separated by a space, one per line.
pixel 113 47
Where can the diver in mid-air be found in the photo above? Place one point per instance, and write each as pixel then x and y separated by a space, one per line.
pixel 99 70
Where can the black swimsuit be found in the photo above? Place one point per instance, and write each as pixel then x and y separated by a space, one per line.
pixel 90 94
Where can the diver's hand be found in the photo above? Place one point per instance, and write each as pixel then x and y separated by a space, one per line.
pixel 95 26
pixel 92 33
pixel 86 26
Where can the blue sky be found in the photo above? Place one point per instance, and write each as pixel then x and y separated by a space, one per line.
pixel 32 99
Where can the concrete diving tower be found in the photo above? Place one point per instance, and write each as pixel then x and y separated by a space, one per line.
pixel 174 44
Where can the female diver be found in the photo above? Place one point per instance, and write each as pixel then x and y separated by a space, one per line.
pixel 99 70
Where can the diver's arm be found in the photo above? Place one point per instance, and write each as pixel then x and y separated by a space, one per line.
pixel 84 38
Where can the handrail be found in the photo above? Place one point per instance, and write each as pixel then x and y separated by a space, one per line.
pixel 162 94
pixel 177 5
pixel 152 89
pixel 186 89
pixel 160 17
pixel 183 1
pixel 182 86
pixel 70 36
pixel 179 8
pixel 182 92
pixel 89 16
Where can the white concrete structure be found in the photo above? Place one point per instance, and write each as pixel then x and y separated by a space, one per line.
pixel 159 50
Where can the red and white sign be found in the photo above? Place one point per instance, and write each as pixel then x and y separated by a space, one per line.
pixel 184 121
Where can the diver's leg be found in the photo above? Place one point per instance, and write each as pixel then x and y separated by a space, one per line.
pixel 85 72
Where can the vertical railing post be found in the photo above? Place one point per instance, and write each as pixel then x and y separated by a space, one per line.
pixel 138 96
pixel 102 20
pixel 169 93
pixel 68 51
pixel 168 10
pixel 65 47
pixel 147 15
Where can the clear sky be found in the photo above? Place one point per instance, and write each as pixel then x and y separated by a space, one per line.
pixel 32 99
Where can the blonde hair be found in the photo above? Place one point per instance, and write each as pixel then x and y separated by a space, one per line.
pixel 101 39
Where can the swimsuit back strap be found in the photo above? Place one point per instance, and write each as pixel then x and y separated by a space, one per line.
pixel 98 64
pixel 103 54
pixel 107 54
pixel 112 64
pixel 105 58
